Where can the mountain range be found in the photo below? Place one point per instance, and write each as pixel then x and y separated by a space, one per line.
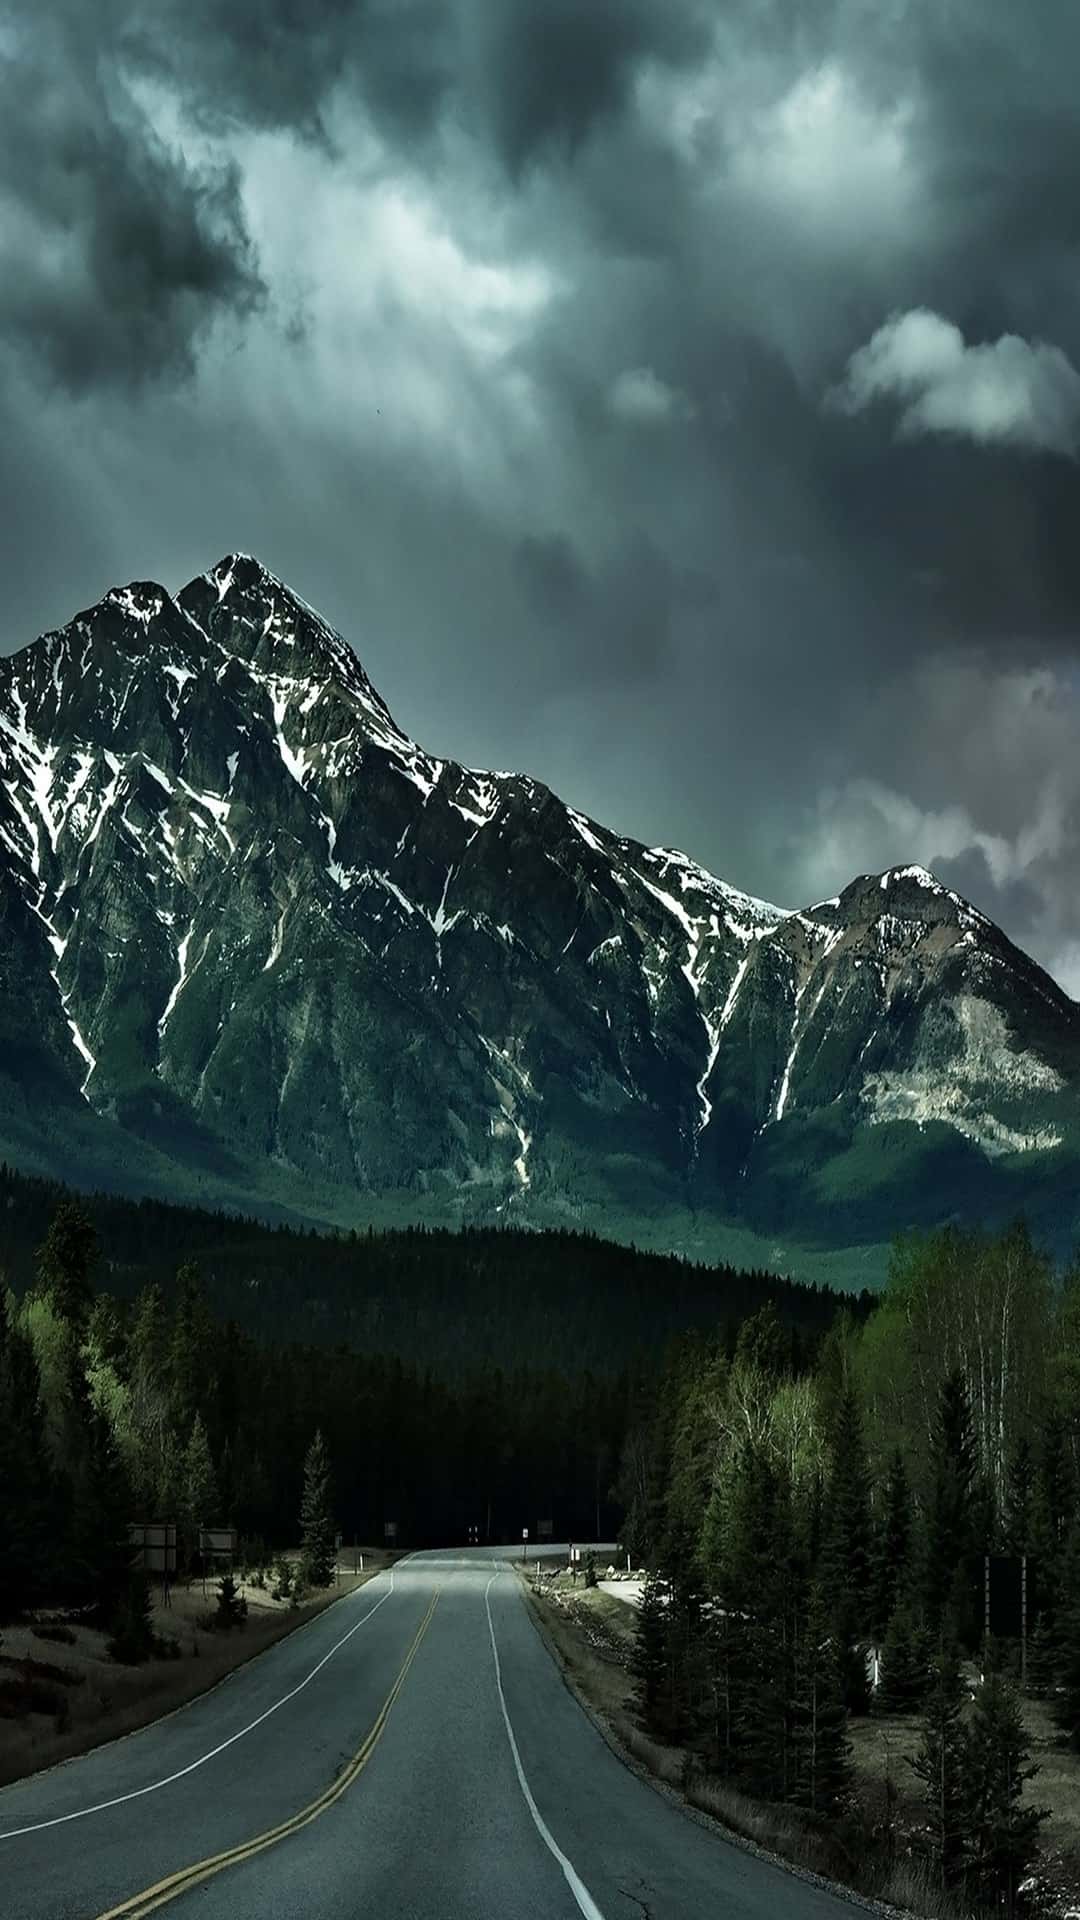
pixel 259 948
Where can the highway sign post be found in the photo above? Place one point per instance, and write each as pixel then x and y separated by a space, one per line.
pixel 524 1543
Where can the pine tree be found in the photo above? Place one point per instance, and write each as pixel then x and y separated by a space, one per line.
pixel 649 1663
pixel 726 1668
pixel 1002 1832
pixel 67 1260
pixel 133 1638
pixel 1019 1499
pixel 892 1546
pixel 231 1606
pixel 904 1674
pixel 845 1570
pixel 25 1480
pixel 1065 1643
pixel 940 1765
pixel 317 1517
pixel 949 1526
pixel 193 1347
pixel 822 1772
pixel 198 1487
pixel 756 1587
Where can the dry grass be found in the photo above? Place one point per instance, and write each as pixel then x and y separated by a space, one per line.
pixel 100 1700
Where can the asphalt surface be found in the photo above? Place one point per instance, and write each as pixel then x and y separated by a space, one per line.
pixel 482 1792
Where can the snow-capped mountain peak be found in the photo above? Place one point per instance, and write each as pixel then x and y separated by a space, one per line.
pixel 249 920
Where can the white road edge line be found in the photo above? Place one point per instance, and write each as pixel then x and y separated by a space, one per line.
pixel 137 1793
pixel 580 1891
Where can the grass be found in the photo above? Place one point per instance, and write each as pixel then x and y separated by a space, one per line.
pixel 90 1699
pixel 593 1634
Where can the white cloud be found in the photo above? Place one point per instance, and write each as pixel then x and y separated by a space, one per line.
pixel 1009 391
pixel 639 398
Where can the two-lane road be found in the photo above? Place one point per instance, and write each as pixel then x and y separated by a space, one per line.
pixel 413 1755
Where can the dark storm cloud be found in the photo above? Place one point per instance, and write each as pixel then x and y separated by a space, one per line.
pixel 553 443
pixel 117 252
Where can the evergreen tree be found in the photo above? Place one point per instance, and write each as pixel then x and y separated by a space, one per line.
pixel 845 1570
pixel 99 1557
pixel 649 1662
pixel 1002 1831
pixel 949 1546
pixel 193 1348
pixel 317 1517
pixel 726 1660
pixel 25 1481
pixel 892 1546
pixel 1053 1506
pixel 1019 1499
pixel 133 1638
pixel 904 1674
pixel 198 1487
pixel 940 1764
pixel 757 1585
pixel 822 1772
pixel 1065 1643
pixel 67 1260
pixel 232 1608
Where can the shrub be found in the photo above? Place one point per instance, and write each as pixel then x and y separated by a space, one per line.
pixel 133 1639
pixel 231 1605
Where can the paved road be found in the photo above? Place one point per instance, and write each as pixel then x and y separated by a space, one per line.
pixel 417 1746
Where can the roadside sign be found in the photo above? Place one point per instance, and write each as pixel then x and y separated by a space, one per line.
pixel 154 1546
pixel 390 1530
pixel 218 1543
pixel 524 1533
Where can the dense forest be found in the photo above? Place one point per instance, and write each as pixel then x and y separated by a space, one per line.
pixel 807 1520
pixel 454 1302
pixel 157 1405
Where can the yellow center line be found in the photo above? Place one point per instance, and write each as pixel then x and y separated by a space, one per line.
pixel 176 1883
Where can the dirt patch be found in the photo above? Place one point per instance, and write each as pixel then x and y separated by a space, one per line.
pixel 80 1697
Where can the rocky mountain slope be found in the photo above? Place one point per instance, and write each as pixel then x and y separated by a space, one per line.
pixel 258 945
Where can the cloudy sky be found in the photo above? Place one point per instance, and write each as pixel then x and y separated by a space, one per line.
pixel 680 402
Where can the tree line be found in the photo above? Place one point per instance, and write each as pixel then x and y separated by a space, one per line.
pixel 451 1302
pixel 811 1519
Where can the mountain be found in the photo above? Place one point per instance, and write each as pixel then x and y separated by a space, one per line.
pixel 259 947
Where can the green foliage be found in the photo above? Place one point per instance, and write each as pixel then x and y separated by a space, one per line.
pixel 1001 1830
pixel 950 1543
pixel 940 1765
pixel 1065 1644
pixel 892 1558
pixel 132 1639
pixel 67 1260
pixel 846 1558
pixel 317 1555
pixel 904 1675
pixel 650 1662
pixel 821 1776
pixel 232 1608
pixel 24 1471
pixel 198 1486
